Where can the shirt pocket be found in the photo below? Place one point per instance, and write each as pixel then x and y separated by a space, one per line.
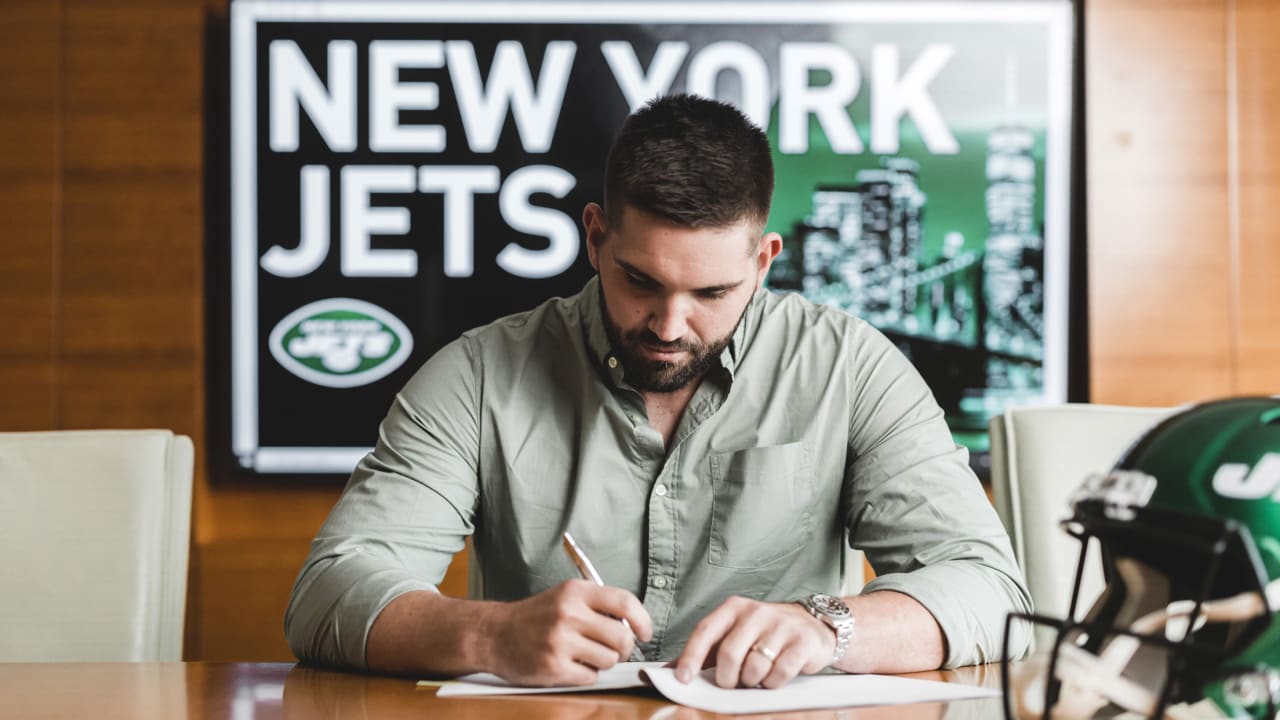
pixel 761 507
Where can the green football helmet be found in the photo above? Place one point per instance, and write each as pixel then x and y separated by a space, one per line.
pixel 1188 525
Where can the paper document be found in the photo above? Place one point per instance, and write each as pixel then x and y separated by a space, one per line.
pixel 618 677
pixel 809 692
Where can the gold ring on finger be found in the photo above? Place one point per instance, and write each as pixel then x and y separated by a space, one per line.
pixel 767 652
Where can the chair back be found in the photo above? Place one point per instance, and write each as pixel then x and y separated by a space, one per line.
pixel 94 533
pixel 1039 457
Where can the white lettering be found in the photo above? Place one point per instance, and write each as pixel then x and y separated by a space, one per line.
pixel 892 97
pixel 559 229
pixel 828 103
pixel 360 221
pixel 459 184
pixel 388 96
pixel 293 82
pixel 314 244
pixel 708 63
pixel 510 86
pixel 638 86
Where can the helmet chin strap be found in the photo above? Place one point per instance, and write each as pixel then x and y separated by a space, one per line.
pixel 1090 682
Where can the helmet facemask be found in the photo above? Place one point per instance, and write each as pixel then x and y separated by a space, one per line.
pixel 1185 595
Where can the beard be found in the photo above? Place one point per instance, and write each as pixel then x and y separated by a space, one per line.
pixel 661 376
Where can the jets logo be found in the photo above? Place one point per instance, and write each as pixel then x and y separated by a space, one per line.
pixel 340 342
pixel 1237 480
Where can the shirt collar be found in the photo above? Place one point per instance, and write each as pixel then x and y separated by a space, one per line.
pixel 597 338
pixel 593 328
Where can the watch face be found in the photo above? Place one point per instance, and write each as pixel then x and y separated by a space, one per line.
pixel 829 605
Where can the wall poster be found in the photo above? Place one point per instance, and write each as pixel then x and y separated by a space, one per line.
pixel 404 171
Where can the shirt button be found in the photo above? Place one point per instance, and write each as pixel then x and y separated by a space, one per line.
pixel 659 582
pixel 613 362
pixel 661 491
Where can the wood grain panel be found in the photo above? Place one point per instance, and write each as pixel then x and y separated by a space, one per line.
pixel 27 264
pixel 131 322
pixel 1159 264
pixel 132 285
pixel 26 393
pixel 137 54
pixel 241 593
pixel 1257 59
pixel 455 578
pixel 29 57
pixel 99 391
pixel 134 96
pixel 137 231
pixel 30 78
pixel 242 510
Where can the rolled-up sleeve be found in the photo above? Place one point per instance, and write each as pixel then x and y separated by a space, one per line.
pixel 405 512
pixel 920 514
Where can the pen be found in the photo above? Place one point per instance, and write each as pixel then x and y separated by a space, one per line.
pixel 588 572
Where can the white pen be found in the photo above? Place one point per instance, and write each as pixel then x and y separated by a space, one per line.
pixel 588 572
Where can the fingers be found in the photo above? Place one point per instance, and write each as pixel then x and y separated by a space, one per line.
pixel 596 655
pixel 609 633
pixel 583 620
pixel 623 605
pixel 790 663
pixel 752 622
pixel 705 636
pixel 565 673
pixel 756 644
pixel 761 658
pixel 564 635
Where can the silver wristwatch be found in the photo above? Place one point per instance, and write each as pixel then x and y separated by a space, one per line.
pixel 834 612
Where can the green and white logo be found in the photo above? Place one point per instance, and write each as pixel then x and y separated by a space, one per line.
pixel 1239 481
pixel 341 342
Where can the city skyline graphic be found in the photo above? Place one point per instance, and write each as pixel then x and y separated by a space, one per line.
pixel 970 314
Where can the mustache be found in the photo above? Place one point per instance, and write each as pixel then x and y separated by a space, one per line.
pixel 649 339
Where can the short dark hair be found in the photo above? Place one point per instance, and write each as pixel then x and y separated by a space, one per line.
pixel 692 161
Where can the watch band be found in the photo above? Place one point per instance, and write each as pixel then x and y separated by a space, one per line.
pixel 835 613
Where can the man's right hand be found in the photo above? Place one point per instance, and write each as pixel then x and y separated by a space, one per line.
pixel 567 634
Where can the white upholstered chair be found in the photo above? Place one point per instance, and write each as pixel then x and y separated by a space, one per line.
pixel 94 532
pixel 1039 457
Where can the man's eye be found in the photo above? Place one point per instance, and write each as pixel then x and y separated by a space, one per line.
pixel 639 281
pixel 712 294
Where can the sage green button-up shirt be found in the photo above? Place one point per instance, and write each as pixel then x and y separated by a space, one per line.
pixel 813 432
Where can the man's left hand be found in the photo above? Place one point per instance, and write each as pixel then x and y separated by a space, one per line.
pixel 757 644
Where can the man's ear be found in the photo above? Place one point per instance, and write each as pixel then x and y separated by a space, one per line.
pixel 593 221
pixel 770 246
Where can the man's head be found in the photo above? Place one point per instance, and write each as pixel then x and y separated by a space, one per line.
pixel 679 244
pixel 690 161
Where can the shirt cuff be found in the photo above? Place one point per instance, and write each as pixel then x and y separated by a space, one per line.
pixel 334 608
pixel 969 605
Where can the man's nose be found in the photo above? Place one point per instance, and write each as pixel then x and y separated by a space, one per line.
pixel 668 319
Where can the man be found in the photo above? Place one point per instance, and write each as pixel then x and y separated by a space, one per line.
pixel 708 443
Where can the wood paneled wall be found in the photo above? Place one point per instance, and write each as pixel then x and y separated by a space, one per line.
pixel 102 246
pixel 1183 176
pixel 1256 56
pixel 30 72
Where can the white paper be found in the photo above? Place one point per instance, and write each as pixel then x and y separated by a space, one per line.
pixel 809 692
pixel 620 676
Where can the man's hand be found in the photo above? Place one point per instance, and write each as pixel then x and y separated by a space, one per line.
pixel 565 635
pixel 757 644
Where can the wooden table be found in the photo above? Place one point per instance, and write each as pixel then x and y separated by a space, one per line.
pixel 254 691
